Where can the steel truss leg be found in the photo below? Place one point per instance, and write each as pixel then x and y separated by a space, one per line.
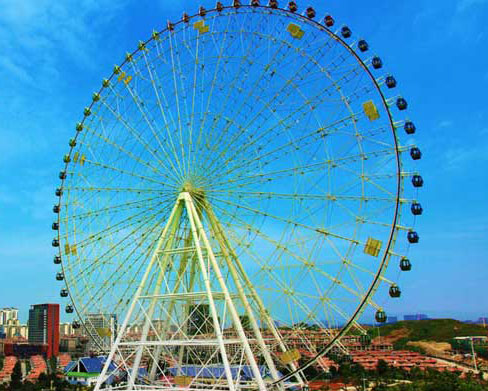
pixel 103 376
pixel 230 251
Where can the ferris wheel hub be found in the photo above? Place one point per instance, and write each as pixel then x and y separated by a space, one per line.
pixel 197 193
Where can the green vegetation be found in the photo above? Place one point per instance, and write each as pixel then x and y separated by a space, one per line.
pixel 402 344
pixel 52 364
pixel 2 358
pixel 438 330
pixel 44 383
pixel 16 378
pixel 383 378
pixel 436 381
pixel 464 346
pixel 386 378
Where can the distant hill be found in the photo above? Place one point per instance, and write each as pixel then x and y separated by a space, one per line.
pixel 438 330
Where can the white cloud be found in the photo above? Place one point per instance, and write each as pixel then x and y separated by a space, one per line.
pixel 444 124
pixel 37 35
pixel 15 70
pixel 458 157
pixel 463 5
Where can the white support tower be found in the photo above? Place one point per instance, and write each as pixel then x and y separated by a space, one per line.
pixel 201 324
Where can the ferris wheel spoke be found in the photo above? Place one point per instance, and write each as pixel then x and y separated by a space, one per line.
pixel 284 249
pixel 322 231
pixel 193 100
pixel 291 296
pixel 177 100
pixel 366 179
pixel 114 228
pixel 134 280
pixel 304 169
pixel 126 152
pixel 212 86
pixel 102 166
pixel 120 246
pixel 266 132
pixel 371 273
pixel 105 258
pixel 239 109
pixel 284 148
pixel 95 189
pixel 111 209
pixel 322 132
pixel 236 77
pixel 131 130
pixel 155 82
pixel 300 196
pixel 188 114
pixel 138 101
pixel 123 271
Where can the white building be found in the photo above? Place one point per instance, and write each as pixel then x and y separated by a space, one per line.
pixel 101 330
pixel 7 314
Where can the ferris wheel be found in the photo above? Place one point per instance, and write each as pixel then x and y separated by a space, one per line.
pixel 232 198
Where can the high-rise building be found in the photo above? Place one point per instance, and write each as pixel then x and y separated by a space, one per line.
pixel 44 326
pixel 415 317
pixel 7 314
pixel 392 319
pixel 482 320
pixel 101 330
pixel 65 329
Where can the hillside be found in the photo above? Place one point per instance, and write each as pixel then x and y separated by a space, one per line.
pixel 404 334
pixel 438 330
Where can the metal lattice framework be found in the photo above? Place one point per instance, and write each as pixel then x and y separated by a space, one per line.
pixel 233 193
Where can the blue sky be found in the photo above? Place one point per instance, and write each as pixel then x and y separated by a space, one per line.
pixel 55 54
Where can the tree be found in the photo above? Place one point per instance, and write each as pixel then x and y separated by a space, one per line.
pixel 53 364
pixel 16 378
pixel 382 367
pixel 245 322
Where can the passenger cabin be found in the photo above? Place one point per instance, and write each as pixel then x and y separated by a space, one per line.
pixel 329 21
pixel 395 291
pixel 376 63
pixel 380 316
pixel 416 209
pixel 415 153
pixel 401 104
pixel 310 13
pixel 346 32
pixel 409 127
pixel 363 45
pixel 292 6
pixel 417 181
pixel 405 265
pixel 273 4
pixel 413 237
pixel 390 82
